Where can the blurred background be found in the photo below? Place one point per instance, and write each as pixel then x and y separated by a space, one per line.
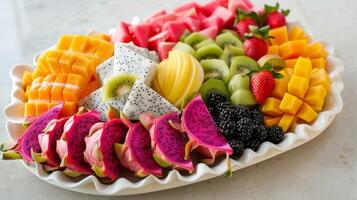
pixel 325 168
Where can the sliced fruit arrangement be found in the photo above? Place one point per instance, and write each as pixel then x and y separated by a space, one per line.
pixel 65 73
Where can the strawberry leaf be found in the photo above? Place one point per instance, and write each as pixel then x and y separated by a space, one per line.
pixel 269 9
pixel 241 14
pixel 277 75
pixel 285 12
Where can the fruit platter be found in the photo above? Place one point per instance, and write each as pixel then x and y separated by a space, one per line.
pixel 177 98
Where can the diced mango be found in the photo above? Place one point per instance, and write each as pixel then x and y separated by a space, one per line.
pixel 93 45
pixel 52 60
pixel 79 43
pixel 293 49
pixel 64 42
pixel 290 71
pixel 33 91
pixel 316 50
pixel 66 62
pixel 306 113
pixel 93 85
pixel 320 77
pixel 270 121
pixel 315 96
pixel 52 104
pixel 318 107
pixel 273 50
pixel 73 88
pixel 26 79
pixel 286 122
pixel 44 92
pixel 280 35
pixel 102 36
pixel 41 107
pixel 298 86
pixel 37 73
pixel 296 33
pixel 83 66
pixel 271 107
pixel 69 109
pixel 57 89
pixel 303 68
pixel 281 85
pixel 290 104
pixel 105 50
pixel 42 64
pixel 291 62
pixel 319 63
pixel 30 109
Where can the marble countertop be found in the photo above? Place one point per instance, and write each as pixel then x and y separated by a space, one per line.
pixel 325 168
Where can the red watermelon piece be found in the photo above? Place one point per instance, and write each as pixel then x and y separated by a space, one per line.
pixel 212 5
pixel 193 24
pixel 213 21
pixel 186 13
pixel 122 33
pixel 164 49
pixel 210 32
pixel 175 29
pixel 140 34
pixel 157 14
pixel 245 5
pixel 156 39
pixel 226 15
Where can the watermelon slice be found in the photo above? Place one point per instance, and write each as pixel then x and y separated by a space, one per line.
pixel 212 5
pixel 213 21
pixel 156 39
pixel 193 24
pixel 210 32
pixel 245 5
pixel 175 29
pixel 186 13
pixel 164 49
pixel 141 34
pixel 226 15
pixel 122 33
pixel 156 14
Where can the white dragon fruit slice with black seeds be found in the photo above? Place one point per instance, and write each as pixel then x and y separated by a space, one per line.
pixel 144 99
pixel 105 69
pixel 127 60
pixel 152 55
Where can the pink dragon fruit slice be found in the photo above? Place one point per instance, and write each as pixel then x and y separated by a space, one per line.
pixel 100 153
pixel 129 61
pixel 105 70
pixel 71 146
pixel 203 133
pixel 168 143
pixel 28 142
pixel 144 99
pixel 136 153
pixel 48 143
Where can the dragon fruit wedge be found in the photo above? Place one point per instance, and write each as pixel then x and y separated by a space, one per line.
pixel 136 153
pixel 48 143
pixel 105 70
pixel 203 134
pixel 144 99
pixel 142 51
pixel 28 142
pixel 127 60
pixel 100 153
pixel 168 142
pixel 71 146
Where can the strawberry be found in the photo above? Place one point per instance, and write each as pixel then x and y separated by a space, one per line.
pixel 244 20
pixel 273 17
pixel 255 46
pixel 262 83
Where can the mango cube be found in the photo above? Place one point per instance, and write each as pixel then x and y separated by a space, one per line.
pixel 296 33
pixel 270 121
pixel 280 35
pixel 69 108
pixel 293 49
pixel 290 104
pixel 318 107
pixel 273 50
pixel 303 68
pixel 315 96
pixel 306 113
pixel 286 122
pixel 26 79
pixel 64 42
pixel 104 50
pixel 30 109
pixel 271 107
pixel 66 61
pixel 79 43
pixel 290 71
pixel 320 77
pixel 52 60
pixel 298 86
pixel 316 50
pixel 281 85
pixel 319 63
pixel 291 62
pixel 41 107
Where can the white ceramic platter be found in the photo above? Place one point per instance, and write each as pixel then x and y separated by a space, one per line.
pixel 300 134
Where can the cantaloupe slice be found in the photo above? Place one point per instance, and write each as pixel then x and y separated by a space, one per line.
pixel 57 88
pixel 64 42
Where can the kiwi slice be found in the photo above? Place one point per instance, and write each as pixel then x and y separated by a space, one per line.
pixel 209 51
pixel 118 85
pixel 242 65
pixel 228 38
pixel 215 68
pixel 194 38
pixel 204 43
pixel 180 46
pixel 213 85
pixel 229 52
pixel 231 31
pixel 239 82
pixel 184 35
pixel 274 60
pixel 243 97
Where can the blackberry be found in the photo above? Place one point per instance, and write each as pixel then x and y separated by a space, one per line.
pixel 242 111
pixel 253 144
pixel 224 106
pixel 257 117
pixel 244 129
pixel 275 134
pixel 228 115
pixel 238 148
pixel 260 133
pixel 214 114
pixel 215 98
pixel 228 128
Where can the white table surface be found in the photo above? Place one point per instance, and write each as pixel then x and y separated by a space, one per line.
pixel 325 168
